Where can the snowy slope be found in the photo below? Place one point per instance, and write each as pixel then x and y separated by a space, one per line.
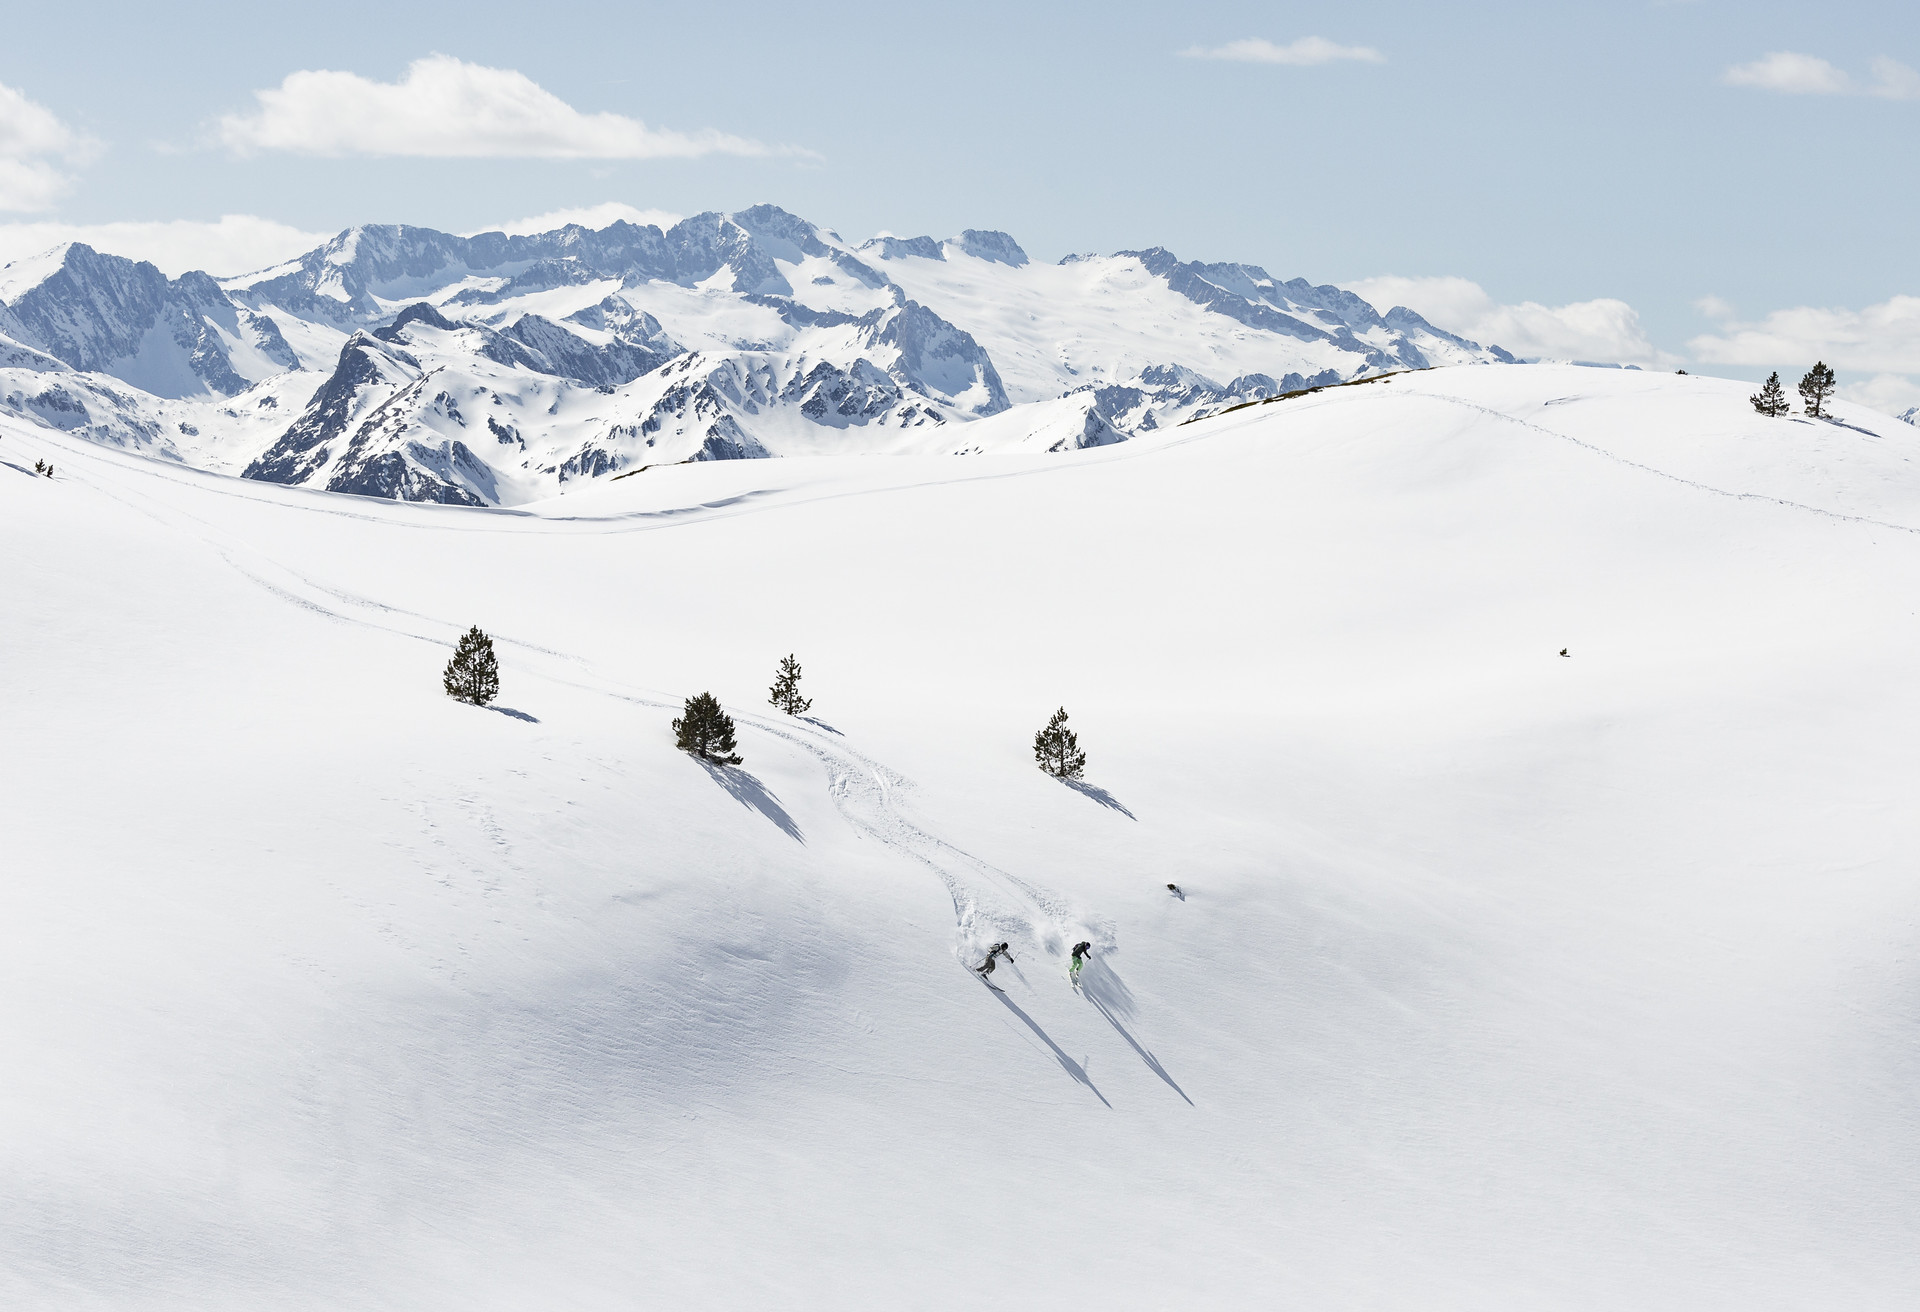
pixel 724 336
pixel 1500 979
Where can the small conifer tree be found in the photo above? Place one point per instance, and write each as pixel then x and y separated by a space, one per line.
pixel 1771 400
pixel 473 675
pixel 1057 748
pixel 785 692
pixel 706 731
pixel 1815 388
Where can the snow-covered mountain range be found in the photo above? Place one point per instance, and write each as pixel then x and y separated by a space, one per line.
pixel 406 363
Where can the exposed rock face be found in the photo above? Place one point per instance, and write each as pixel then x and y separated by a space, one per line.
pixel 896 248
pixel 995 246
pixel 179 337
pixel 307 446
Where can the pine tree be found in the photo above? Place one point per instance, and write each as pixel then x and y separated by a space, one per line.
pixel 1057 748
pixel 785 692
pixel 473 675
pixel 1815 388
pixel 1771 400
pixel 706 731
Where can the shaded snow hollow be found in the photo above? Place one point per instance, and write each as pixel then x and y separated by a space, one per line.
pixel 1501 979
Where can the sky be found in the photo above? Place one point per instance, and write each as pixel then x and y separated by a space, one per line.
pixel 1728 188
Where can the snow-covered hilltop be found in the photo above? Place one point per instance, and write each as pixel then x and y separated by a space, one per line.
pixel 417 365
pixel 1534 748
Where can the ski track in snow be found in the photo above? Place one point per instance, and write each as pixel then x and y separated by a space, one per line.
pixel 1661 473
pixel 989 904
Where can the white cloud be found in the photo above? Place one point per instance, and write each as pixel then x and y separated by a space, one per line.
pixel 447 108
pixel 1790 74
pixel 1307 50
pixel 31 135
pixel 1876 350
pixel 1893 80
pixel 31 184
pixel 589 216
pixel 1604 331
pixel 1888 393
pixel 1793 74
pixel 1881 339
pixel 235 243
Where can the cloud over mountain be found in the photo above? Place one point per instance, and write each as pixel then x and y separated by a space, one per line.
pixel 1604 329
pixel 230 244
pixel 447 108
pixel 1881 340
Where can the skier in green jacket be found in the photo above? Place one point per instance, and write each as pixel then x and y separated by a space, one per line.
pixel 1080 951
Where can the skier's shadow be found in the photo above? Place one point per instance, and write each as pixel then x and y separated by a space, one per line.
pixel 1108 992
pixel 1071 1066
pixel 750 792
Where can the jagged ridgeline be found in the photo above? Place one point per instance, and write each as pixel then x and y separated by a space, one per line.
pixel 493 370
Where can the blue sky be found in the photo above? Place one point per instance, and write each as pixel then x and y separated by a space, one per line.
pixel 1707 184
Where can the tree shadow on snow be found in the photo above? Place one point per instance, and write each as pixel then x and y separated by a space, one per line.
pixel 1099 795
pixel 750 792
pixel 1108 992
pixel 509 712
pixel 1067 1063
pixel 820 724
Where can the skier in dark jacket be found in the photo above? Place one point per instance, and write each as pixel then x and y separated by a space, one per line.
pixel 997 950
pixel 1080 951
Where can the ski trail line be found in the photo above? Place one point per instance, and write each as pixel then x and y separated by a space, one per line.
pixel 1661 473
pixel 989 904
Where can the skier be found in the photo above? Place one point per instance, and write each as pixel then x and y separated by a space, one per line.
pixel 1080 951
pixel 1174 889
pixel 997 950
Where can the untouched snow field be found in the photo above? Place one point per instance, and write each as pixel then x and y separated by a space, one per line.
pixel 1501 980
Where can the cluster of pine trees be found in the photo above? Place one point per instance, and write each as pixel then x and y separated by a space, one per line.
pixel 706 731
pixel 1815 388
